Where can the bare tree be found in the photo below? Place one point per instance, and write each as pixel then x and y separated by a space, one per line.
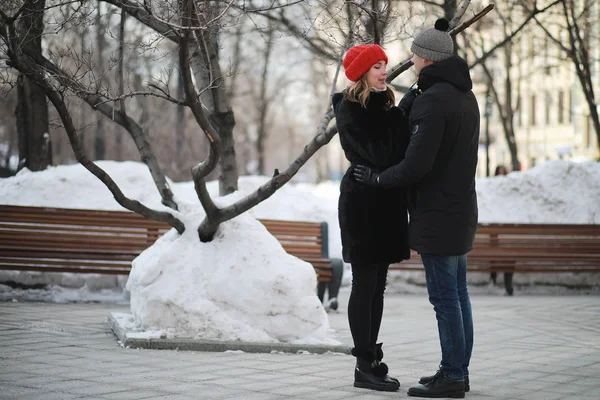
pixel 121 80
pixel 577 21
pixel 513 20
pixel 35 146
pixel 99 138
pixel 191 28
pixel 263 101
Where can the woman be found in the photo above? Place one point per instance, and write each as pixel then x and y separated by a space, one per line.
pixel 373 221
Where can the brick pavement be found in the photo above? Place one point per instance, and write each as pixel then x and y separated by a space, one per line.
pixel 527 347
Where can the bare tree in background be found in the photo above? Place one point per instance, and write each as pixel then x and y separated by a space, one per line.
pixel 35 146
pixel 514 20
pixel 192 29
pixel 100 25
pixel 579 19
pixel 263 98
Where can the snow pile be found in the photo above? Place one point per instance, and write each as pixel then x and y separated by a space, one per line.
pixel 73 186
pixel 553 192
pixel 240 286
pixel 556 192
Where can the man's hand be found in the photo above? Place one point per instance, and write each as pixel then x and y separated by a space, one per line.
pixel 407 101
pixel 366 175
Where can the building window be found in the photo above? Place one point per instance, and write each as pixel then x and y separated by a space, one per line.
pixel 532 121
pixel 561 107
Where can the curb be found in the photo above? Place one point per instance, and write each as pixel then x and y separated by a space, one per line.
pixel 215 345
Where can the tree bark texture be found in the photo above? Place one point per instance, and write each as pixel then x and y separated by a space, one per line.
pixel 138 134
pixel 27 66
pixel 579 53
pixel 264 101
pixel 35 145
pixel 221 115
pixel 99 139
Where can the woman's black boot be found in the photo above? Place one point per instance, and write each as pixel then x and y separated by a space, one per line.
pixel 364 376
pixel 381 369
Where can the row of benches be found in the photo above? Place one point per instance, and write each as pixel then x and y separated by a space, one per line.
pixel 105 242
pixel 544 248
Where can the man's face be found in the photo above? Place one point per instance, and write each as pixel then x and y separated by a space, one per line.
pixel 419 63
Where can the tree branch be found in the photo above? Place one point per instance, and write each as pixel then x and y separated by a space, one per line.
pixel 321 50
pixel 143 15
pixel 36 74
pixel 199 172
pixel 406 64
pixel 508 38
pixel 137 133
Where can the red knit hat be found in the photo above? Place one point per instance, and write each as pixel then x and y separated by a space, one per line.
pixel 359 59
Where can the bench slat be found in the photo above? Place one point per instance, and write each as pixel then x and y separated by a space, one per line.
pixel 97 241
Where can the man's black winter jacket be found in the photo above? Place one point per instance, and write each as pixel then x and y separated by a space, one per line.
pixel 440 161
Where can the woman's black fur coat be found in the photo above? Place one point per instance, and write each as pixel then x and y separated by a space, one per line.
pixel 373 221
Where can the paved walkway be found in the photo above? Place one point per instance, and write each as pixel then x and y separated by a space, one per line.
pixel 527 347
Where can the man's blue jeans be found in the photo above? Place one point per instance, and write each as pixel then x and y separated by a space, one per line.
pixel 447 287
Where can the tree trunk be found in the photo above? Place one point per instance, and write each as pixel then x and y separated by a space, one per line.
pixel 509 124
pixel 263 102
pixel 35 146
pixel 180 123
pixel 506 120
pixel 224 123
pixel 99 142
pixel 579 40
pixel 118 134
pixel 219 108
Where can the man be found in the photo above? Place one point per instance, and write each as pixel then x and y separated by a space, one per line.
pixel 439 167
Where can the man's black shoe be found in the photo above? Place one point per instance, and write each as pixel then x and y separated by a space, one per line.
pixel 439 387
pixel 427 379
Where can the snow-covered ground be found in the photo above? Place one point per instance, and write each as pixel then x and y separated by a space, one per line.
pixel 176 285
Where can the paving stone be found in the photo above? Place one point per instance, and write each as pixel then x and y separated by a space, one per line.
pixel 526 348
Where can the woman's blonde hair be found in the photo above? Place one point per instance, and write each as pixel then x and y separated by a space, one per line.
pixel 359 92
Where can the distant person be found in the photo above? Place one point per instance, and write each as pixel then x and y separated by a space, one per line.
pixel 508 276
pixel 439 167
pixel 373 221
pixel 333 287
pixel 500 170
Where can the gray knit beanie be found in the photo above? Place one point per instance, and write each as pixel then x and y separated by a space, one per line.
pixel 434 44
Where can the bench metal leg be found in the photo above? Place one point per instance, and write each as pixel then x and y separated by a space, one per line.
pixel 508 283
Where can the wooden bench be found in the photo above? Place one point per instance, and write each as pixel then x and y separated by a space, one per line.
pixel 306 240
pixel 532 248
pixel 105 242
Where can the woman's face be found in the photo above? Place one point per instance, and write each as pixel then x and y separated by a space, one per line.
pixel 376 76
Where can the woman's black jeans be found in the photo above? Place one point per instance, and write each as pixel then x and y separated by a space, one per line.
pixel 365 306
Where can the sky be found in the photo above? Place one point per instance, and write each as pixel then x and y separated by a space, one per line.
pixel 243 285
